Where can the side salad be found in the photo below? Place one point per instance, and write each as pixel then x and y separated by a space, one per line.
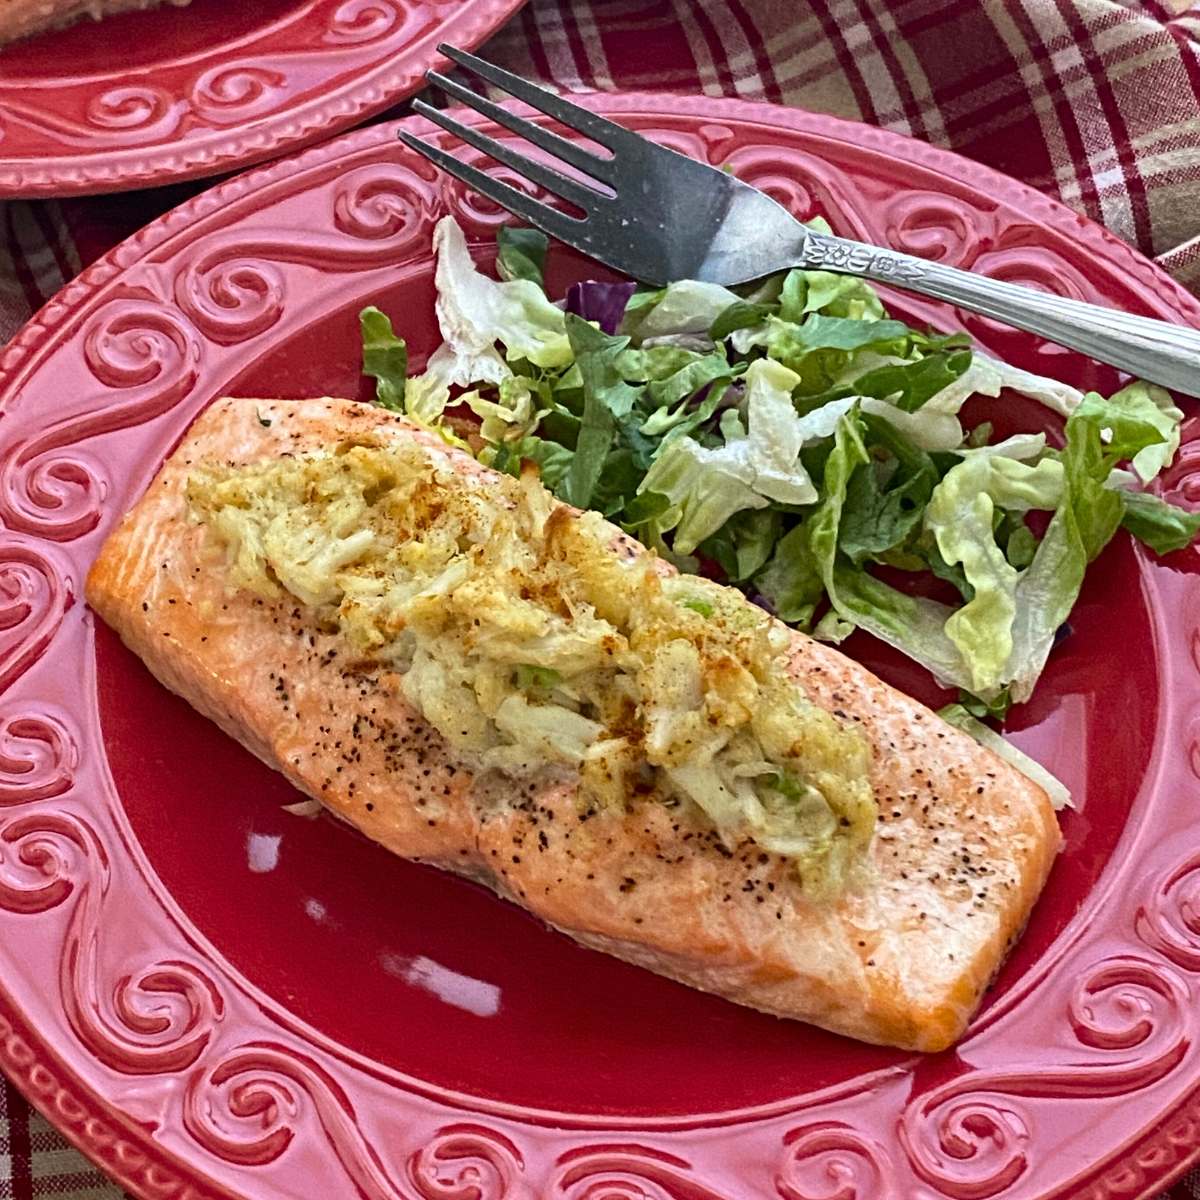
pixel 796 441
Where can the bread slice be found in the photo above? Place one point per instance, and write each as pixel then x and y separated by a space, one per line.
pixel 23 18
pixel 963 845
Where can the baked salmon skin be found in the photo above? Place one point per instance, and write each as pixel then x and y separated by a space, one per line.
pixel 900 954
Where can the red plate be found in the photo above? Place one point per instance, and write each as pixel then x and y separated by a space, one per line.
pixel 150 98
pixel 215 998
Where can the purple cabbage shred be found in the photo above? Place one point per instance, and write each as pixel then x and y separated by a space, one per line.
pixel 601 302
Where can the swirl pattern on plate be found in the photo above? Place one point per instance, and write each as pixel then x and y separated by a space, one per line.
pixel 38 757
pixel 629 1172
pixel 833 1161
pixel 971 1139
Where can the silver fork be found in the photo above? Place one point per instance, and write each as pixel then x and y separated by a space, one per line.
pixel 657 216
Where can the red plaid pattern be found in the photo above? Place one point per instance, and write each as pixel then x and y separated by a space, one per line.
pixel 36 1162
pixel 1096 102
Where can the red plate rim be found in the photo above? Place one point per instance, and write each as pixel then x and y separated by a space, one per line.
pixel 1148 1162
pixel 210 89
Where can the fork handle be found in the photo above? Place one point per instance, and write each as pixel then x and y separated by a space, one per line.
pixel 1153 350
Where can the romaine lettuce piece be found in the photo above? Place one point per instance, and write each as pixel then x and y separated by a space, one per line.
pixel 521 254
pixel 688 307
pixel 960 516
pixel 1163 527
pixel 607 397
pixel 475 312
pixel 384 358
pixel 709 485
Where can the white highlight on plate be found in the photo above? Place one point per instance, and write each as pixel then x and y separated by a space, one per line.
pixel 262 852
pixel 461 991
pixel 316 910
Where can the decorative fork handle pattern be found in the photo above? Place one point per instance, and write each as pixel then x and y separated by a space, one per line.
pixel 1149 349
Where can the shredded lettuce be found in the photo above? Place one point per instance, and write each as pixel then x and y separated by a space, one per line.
pixel 798 440
pixel 1149 462
pixel 507 417
pixel 709 485
pixel 803 292
pixel 1021 447
pixel 606 397
pixel 686 307
pixel 1059 397
pixel 1141 423
pixel 960 517
pixel 475 312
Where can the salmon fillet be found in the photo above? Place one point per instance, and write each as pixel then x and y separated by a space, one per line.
pixel 963 845
pixel 21 18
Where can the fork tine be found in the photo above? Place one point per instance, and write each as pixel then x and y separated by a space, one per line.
pixel 549 220
pixel 607 133
pixel 569 152
pixel 569 189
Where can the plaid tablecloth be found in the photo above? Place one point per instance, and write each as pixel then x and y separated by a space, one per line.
pixel 1094 101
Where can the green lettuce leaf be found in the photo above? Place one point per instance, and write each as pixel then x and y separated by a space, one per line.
pixel 791 344
pixel 961 516
pixel 739 315
pixel 476 311
pixel 1021 446
pixel 640 303
pixel 744 543
pixel 1149 462
pixel 848 454
pixel 808 555
pixel 792 581
pixel 654 363
pixel 510 415
pixel 709 484
pixel 689 379
pixel 606 397
pixel 384 358
pixel 1020 546
pixel 995 375
pixel 876 517
pixel 702 495
pixel 521 254
pixel 1085 520
pixel 909 385
pixel 1130 422
pixel 686 307
pixel 553 460
pixel 913 624
pixel 1161 526
pixel 1141 423
pixel 807 292
pixel 685 418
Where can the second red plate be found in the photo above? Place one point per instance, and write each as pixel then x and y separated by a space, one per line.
pixel 150 98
